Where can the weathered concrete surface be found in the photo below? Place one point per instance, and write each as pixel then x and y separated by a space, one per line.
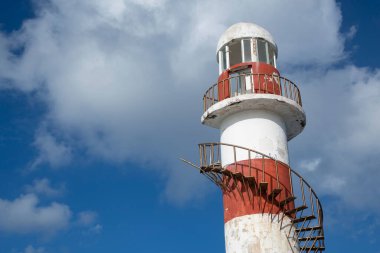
pixel 257 233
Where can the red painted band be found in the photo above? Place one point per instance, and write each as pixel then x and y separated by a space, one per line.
pixel 260 84
pixel 247 198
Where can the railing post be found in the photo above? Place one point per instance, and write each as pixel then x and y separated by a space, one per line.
pixel 212 155
pixel 232 85
pixel 200 154
pixel 291 91
pixel 319 214
pixel 234 148
pixel 311 201
pixel 259 76
pixel 277 176
pixel 212 91
pixel 286 87
pixel 223 95
pixel 219 156
pixel 205 155
pixel 291 181
pixel 249 160
pixel 237 86
pixel 263 167
pixel 303 192
pixel 300 99
pixel 204 103
pixel 253 83
pixel 251 86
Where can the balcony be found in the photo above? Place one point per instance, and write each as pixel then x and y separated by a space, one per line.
pixel 251 84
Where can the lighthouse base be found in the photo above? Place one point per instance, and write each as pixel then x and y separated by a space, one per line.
pixel 260 233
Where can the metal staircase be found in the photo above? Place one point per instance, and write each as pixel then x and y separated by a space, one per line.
pixel 300 203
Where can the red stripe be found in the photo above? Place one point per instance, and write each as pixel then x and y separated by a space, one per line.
pixel 243 199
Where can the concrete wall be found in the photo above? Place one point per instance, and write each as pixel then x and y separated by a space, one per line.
pixel 261 130
pixel 257 233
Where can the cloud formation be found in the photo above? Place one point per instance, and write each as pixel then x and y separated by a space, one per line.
pixel 31 249
pixel 51 152
pixel 123 81
pixel 86 218
pixel 342 127
pixel 24 215
pixel 43 187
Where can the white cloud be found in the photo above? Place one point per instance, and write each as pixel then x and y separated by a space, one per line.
pixel 333 184
pixel 25 215
pixel 310 165
pixel 352 32
pixel 31 249
pixel 51 152
pixel 97 229
pixel 306 32
pixel 43 187
pixel 97 71
pixel 342 107
pixel 86 218
pixel 124 81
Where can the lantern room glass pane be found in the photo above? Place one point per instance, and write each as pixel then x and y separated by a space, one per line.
pixel 224 66
pixel 262 52
pixel 222 59
pixel 235 53
pixel 271 54
pixel 247 50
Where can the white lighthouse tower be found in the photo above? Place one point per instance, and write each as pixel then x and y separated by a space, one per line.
pixel 268 207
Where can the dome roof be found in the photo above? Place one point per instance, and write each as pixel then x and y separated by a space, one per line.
pixel 244 30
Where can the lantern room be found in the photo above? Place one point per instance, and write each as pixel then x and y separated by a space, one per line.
pixel 247 56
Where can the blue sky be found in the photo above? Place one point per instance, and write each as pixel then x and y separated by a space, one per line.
pixel 100 98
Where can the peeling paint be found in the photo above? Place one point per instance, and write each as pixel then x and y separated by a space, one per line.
pixel 259 233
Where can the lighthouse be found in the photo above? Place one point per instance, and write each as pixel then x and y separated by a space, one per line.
pixel 268 207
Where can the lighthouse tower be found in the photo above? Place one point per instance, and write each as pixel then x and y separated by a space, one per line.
pixel 268 207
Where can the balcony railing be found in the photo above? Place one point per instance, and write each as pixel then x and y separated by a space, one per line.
pixel 251 84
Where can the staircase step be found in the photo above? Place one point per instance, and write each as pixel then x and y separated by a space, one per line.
pixel 274 193
pixel 205 169
pixel 308 229
pixel 311 238
pixel 286 201
pixel 296 210
pixel 238 175
pixel 263 186
pixel 216 168
pixel 302 219
pixel 226 172
pixel 251 179
pixel 212 167
pixel 314 248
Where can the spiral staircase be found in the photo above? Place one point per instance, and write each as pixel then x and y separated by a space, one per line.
pixel 300 204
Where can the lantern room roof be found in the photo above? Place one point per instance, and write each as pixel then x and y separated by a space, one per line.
pixel 245 30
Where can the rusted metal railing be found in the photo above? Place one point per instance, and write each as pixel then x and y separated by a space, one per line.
pixel 251 84
pixel 305 211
